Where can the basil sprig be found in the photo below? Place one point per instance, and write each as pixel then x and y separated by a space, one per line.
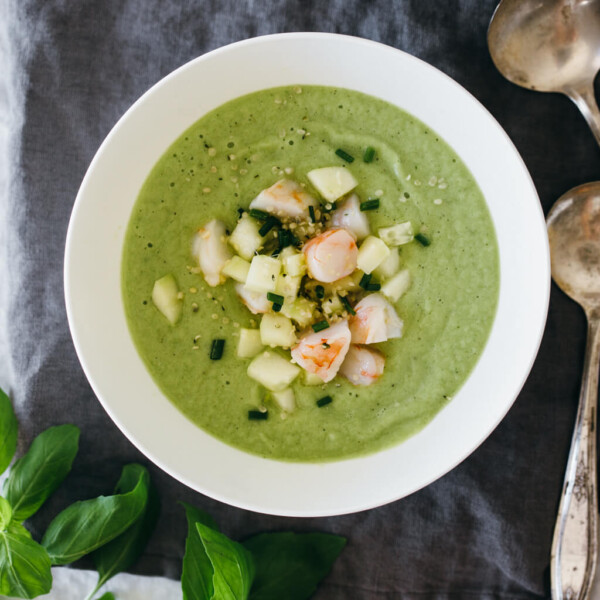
pixel 8 432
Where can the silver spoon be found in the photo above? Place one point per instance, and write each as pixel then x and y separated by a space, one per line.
pixel 550 46
pixel 574 235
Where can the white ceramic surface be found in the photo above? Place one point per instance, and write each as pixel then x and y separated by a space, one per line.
pixel 94 247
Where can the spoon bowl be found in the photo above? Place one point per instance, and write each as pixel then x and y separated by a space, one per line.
pixel 574 236
pixel 550 46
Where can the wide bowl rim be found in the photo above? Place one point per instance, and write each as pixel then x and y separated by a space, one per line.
pixel 293 507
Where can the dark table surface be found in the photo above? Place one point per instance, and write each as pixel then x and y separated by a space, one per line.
pixel 69 71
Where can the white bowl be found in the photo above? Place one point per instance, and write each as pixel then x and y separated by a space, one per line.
pixel 93 263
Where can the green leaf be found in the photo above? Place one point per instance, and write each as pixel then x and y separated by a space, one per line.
pixel 5 513
pixel 124 550
pixel 85 526
pixel 197 572
pixel 8 431
pixel 41 470
pixel 107 596
pixel 290 565
pixel 24 564
pixel 233 568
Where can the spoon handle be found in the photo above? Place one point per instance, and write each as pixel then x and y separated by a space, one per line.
pixel 575 543
pixel 585 100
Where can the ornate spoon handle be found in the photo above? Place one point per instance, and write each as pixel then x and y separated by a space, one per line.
pixel 575 543
pixel 585 100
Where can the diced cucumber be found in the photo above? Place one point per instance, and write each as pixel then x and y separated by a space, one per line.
pixel 332 305
pixel 332 182
pixel 263 274
pixel 398 234
pixel 165 297
pixel 312 379
pixel 245 238
pixel 277 330
pixel 285 399
pixel 273 371
pixel 396 286
pixel 249 344
pixel 301 310
pixel 237 268
pixel 371 254
pixel 295 264
pixel 288 286
pixel 389 266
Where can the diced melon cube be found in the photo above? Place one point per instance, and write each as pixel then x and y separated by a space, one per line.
pixel 249 344
pixel 332 305
pixel 396 286
pixel 263 274
pixel 245 238
pixel 398 234
pixel 300 310
pixel 273 371
pixel 285 399
pixel 237 268
pixel 371 254
pixel 389 266
pixel 312 379
pixel 165 295
pixel 295 264
pixel 277 330
pixel 288 286
pixel 332 182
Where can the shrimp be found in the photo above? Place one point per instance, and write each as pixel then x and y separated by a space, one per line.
pixel 350 217
pixel 375 321
pixel 331 255
pixel 363 366
pixel 323 352
pixel 285 198
pixel 209 246
pixel 256 302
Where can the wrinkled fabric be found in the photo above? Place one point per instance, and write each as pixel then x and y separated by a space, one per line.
pixel 68 71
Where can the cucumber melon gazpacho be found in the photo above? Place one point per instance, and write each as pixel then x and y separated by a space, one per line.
pixel 310 273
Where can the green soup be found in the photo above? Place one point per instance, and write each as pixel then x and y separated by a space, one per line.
pixel 219 165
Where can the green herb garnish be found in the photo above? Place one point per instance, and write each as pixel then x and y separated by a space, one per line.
pixel 373 287
pixel 324 401
pixel 276 298
pixel 369 154
pixel 311 212
pixel 365 280
pixel 261 215
pixel 277 306
pixel 320 291
pixel 347 304
pixel 320 326
pixel 344 155
pixel 216 349
pixel 257 415
pixel 268 225
pixel 423 239
pixel 370 204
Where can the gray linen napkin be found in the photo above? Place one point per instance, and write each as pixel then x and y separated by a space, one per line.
pixel 68 71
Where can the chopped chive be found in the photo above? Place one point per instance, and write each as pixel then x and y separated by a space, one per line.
pixel 369 154
pixel 347 304
pixel 320 291
pixel 373 287
pixel 370 204
pixel 267 226
pixel 276 298
pixel 344 155
pixel 216 350
pixel 324 401
pixel 283 238
pixel 320 326
pixel 423 239
pixel 277 307
pixel 311 212
pixel 364 281
pixel 257 415
pixel 261 215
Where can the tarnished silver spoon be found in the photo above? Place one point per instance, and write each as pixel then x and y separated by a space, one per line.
pixel 550 46
pixel 574 235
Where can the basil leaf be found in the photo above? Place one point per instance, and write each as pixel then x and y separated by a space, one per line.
pixel 290 565
pixel 24 564
pixel 107 596
pixel 124 550
pixel 233 567
pixel 41 470
pixel 85 526
pixel 8 431
pixel 197 572
pixel 5 513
